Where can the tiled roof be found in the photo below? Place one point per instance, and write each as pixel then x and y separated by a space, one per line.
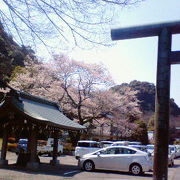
pixel 43 111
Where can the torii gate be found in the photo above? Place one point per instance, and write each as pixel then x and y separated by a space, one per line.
pixel 166 57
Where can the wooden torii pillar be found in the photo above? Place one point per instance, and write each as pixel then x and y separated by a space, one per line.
pixel 166 57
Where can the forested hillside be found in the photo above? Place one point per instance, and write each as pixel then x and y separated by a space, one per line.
pixel 11 55
pixel 146 96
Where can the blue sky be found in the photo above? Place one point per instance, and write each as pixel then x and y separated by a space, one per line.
pixel 136 59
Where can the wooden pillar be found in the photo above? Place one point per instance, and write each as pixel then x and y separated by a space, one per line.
pixel 55 161
pixel 33 163
pixel 162 106
pixel 3 160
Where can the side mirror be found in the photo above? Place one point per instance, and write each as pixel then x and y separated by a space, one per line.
pixel 98 154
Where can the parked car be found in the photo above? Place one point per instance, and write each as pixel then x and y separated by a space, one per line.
pixel 134 143
pixel 150 148
pixel 46 147
pixel 140 147
pixel 119 158
pixel 106 143
pixel 120 143
pixel 170 158
pixel 22 146
pixel 173 150
pixel 85 146
pixel 43 146
pixel 178 151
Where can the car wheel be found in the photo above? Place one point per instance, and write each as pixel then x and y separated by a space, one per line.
pixel 136 169
pixel 88 166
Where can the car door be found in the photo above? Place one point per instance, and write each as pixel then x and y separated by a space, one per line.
pixel 123 158
pixel 108 159
pixel 114 158
pixel 117 159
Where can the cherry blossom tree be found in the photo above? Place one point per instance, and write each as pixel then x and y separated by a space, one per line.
pixel 35 79
pixel 82 90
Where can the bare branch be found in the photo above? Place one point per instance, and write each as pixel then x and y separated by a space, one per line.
pixel 70 22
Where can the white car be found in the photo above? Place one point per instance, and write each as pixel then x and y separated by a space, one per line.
pixel 46 147
pixel 106 143
pixel 170 158
pixel 173 150
pixel 178 151
pixel 86 146
pixel 150 148
pixel 120 143
pixel 135 143
pixel 140 147
pixel 119 158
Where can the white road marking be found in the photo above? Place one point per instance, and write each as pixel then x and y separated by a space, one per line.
pixel 70 172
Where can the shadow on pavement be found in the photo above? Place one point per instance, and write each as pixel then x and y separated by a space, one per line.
pixel 147 174
pixel 62 170
pixel 176 166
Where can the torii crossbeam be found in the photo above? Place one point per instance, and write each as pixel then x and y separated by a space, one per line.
pixel 166 57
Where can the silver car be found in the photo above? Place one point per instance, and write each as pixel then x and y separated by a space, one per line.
pixel 119 158
pixel 170 159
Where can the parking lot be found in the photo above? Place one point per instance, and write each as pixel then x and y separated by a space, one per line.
pixel 68 169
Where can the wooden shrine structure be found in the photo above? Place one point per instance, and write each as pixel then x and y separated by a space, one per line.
pixel 19 110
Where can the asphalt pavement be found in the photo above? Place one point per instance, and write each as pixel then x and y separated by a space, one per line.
pixel 68 169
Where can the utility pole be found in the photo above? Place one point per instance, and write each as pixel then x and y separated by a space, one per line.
pixel 165 58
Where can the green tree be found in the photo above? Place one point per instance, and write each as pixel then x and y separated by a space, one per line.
pixel 151 123
pixel 140 133
pixel 11 56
